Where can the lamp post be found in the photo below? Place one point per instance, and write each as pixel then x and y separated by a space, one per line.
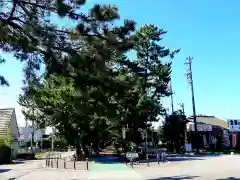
pixel 188 62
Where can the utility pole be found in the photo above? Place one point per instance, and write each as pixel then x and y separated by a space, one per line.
pixel 171 91
pixel 190 81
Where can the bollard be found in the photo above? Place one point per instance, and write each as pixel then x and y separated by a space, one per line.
pixel 74 163
pixel 87 163
pixel 57 162
pixel 64 163
pixel 158 158
pixel 147 160
pixel 132 164
pixel 46 161
pixel 52 162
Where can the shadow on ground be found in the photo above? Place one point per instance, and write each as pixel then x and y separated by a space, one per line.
pixel 4 170
pixel 194 155
pixel 173 159
pixel 114 159
pixel 106 159
pixel 229 178
pixel 175 177
pixel 183 158
pixel 18 161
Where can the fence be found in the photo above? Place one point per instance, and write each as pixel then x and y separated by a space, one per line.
pixel 156 159
pixel 60 161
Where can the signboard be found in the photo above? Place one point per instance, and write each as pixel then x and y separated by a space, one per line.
pixel 234 140
pixel 204 127
pixel 131 156
pixel 200 127
pixel 234 125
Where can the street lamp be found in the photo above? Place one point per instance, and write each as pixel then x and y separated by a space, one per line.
pixel 188 62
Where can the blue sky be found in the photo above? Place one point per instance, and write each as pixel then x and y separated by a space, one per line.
pixel 206 30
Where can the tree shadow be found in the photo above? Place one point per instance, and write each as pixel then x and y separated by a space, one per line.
pixel 175 177
pixel 4 170
pixel 107 159
pixel 173 159
pixel 229 178
pixel 194 155
pixel 18 162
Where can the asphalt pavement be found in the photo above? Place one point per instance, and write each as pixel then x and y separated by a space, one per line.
pixel 204 168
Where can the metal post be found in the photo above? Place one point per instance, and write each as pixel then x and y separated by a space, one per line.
pixel 64 163
pixel 52 162
pixel 57 162
pixel 190 78
pixel 41 143
pixel 87 163
pixel 48 161
pixel 74 163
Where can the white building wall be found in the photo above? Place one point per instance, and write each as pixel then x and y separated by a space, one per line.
pixel 26 133
pixel 15 134
pixel 13 126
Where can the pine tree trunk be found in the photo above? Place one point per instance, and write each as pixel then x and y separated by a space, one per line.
pixel 79 152
pixel 78 149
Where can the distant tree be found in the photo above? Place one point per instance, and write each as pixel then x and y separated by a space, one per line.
pixel 173 130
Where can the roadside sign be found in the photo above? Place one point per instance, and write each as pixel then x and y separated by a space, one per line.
pixel 234 140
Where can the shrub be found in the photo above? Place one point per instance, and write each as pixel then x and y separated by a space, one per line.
pixel 5 150
pixel 5 141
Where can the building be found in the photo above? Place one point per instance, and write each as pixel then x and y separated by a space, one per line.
pixel 212 131
pixel 26 134
pixel 8 126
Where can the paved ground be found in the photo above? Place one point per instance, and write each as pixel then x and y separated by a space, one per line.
pixel 205 168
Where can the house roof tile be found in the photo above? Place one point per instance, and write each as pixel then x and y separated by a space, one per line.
pixel 5 118
pixel 211 120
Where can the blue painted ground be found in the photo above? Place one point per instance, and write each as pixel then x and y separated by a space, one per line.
pixel 106 163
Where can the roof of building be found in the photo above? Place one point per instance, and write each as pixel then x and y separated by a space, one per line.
pixel 5 118
pixel 211 120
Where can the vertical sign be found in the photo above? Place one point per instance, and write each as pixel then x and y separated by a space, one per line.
pixel 234 140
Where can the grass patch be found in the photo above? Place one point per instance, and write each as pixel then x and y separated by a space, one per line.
pixel 41 155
